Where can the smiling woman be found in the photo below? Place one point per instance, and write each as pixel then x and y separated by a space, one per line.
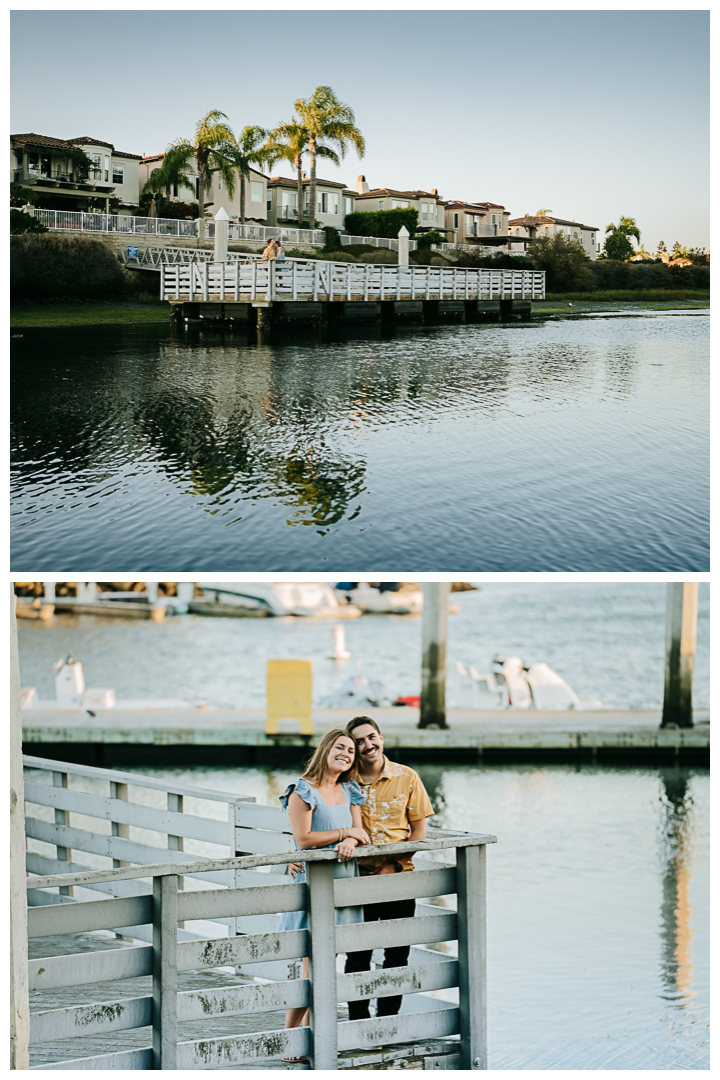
pixel 324 806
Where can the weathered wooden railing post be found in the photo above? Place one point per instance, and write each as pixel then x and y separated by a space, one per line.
pixel 323 990
pixel 164 986
pixel 434 643
pixel 472 956
pixel 680 641
pixel 62 817
pixel 19 996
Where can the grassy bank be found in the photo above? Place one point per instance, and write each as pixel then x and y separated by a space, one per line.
pixel 88 313
pixel 628 296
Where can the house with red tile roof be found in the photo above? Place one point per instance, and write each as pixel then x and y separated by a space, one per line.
pixel 535 225
pixel 62 181
pixel 476 223
pixel 429 205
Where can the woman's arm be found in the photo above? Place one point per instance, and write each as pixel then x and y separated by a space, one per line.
pixel 301 821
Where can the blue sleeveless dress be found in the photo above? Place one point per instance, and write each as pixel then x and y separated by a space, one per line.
pixel 325 818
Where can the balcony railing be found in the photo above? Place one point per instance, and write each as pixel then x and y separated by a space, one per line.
pixel 242 896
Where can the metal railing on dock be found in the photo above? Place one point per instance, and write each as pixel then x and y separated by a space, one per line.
pixel 300 279
pixel 147 902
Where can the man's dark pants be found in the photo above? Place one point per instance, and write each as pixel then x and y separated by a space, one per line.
pixel 395 957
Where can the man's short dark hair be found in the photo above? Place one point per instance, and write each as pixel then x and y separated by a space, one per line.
pixel 358 721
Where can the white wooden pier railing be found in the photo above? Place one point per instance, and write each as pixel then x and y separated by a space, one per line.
pixel 147 902
pixel 300 279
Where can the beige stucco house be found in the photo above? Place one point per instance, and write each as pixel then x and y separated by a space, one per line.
pixel 333 202
pixel 469 223
pixel 45 164
pixel 543 225
pixel 216 195
pixel 429 205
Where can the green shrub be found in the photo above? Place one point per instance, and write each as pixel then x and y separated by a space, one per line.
pixel 497 261
pixel 428 258
pixel 56 265
pixel 382 222
pixel 336 256
pixel 426 240
pixel 358 249
pixel 613 275
pixel 22 196
pixel 617 246
pixel 565 262
pixel 380 255
pixel 332 238
pixel 24 223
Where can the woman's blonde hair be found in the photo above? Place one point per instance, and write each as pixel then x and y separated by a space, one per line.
pixel 316 770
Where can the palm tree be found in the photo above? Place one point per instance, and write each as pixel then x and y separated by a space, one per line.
pixel 627 226
pixel 326 120
pixel 250 149
pixel 211 149
pixel 288 142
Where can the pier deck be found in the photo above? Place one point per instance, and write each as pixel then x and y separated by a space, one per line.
pixel 239 734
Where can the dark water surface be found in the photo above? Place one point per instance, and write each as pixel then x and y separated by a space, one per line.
pixel 555 445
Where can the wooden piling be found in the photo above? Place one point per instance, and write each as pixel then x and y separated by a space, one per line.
pixel 164 986
pixel 19 997
pixel 434 645
pixel 680 641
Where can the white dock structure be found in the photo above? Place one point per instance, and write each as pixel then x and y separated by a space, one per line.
pixel 253 281
pixel 182 913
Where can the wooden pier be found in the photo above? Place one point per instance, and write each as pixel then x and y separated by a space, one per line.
pixel 238 735
pixel 260 293
pixel 169 991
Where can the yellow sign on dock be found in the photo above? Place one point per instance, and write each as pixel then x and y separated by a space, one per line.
pixel 289 694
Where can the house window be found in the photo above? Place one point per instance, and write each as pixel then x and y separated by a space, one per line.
pixel 469 226
pixel 256 191
pixel 348 206
pixel 336 204
pixel 423 211
pixel 269 201
pixel 97 165
pixel 107 168
pixel 175 191
pixel 381 204
pixel 118 174
pixel 592 238
pixel 399 205
pixel 456 221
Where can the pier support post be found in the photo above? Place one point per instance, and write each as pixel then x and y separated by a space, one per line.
pixel 680 640
pixel 471 310
pixel 264 315
pixel 403 247
pixel 431 311
pixel 164 987
pixel 221 235
pixel 434 645
pixel 472 956
pixel 19 995
pixel 323 989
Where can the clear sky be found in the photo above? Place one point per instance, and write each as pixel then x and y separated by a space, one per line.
pixel 589 114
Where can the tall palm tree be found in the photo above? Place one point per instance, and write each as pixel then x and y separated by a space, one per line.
pixel 249 149
pixel 627 226
pixel 288 142
pixel 210 149
pixel 327 120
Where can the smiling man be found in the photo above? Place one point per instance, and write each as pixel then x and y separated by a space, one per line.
pixel 396 809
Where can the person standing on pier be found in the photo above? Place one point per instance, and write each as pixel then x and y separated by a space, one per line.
pixel 396 808
pixel 324 805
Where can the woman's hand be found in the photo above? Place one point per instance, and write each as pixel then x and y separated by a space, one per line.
pixel 345 849
pixel 358 834
pixel 296 868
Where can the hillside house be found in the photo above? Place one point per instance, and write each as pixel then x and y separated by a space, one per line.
pixel 429 205
pixel 476 223
pixel 537 225
pixel 333 202
pixel 50 166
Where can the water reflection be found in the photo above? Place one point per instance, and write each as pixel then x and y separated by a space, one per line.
pixel 676 911
pixel 506 447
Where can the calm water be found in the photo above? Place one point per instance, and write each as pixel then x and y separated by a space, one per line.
pixel 607 640
pixel 598 907
pixel 561 445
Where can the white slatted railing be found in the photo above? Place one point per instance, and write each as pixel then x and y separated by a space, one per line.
pixel 147 902
pixel 300 279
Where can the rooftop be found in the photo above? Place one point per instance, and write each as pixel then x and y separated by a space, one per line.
pixel 377 192
pixel 283 181
pixel 545 219
pixel 51 143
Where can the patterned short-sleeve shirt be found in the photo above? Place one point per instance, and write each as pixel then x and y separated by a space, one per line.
pixel 395 799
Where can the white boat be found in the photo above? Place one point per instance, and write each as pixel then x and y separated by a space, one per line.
pixel 511 684
pixel 71 693
pixel 310 598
